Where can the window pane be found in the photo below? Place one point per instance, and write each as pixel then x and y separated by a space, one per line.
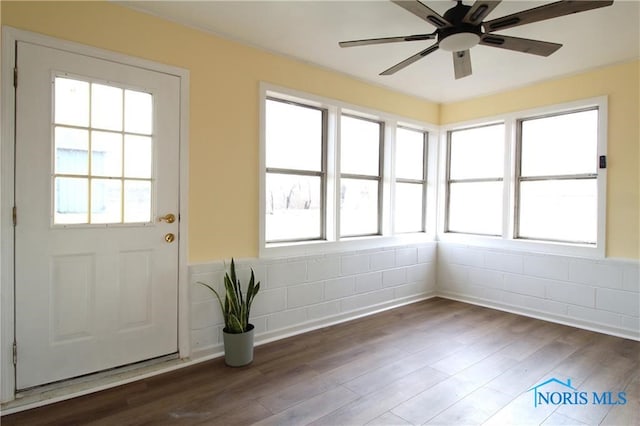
pixel 358 207
pixel 138 112
pixel 106 196
pixel 106 107
pixel 72 146
pixel 293 136
pixel 137 156
pixel 475 207
pixel 71 102
pixel 477 152
pixel 137 201
pixel 564 210
pixel 106 154
pixel 560 145
pixel 359 146
pixel 71 200
pixel 292 207
pixel 409 207
pixel 409 154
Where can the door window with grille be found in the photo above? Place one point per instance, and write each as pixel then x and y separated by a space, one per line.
pixel 103 161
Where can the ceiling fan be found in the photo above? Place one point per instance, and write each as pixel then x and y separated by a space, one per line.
pixel 462 27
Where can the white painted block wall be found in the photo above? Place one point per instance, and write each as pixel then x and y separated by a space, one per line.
pixel 601 295
pixel 304 293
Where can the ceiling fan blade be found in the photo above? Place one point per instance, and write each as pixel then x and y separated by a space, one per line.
pixel 462 64
pixel 423 12
pixel 547 11
pixel 397 67
pixel 524 45
pixel 365 42
pixel 479 11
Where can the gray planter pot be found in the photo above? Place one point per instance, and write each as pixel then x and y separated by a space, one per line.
pixel 238 347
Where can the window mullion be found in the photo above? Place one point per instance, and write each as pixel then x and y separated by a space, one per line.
pixel 508 181
pixel 385 207
pixel 332 188
pixel 425 171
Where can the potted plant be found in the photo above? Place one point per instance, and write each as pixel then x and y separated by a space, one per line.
pixel 237 332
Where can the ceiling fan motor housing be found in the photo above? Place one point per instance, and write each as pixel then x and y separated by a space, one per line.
pixel 461 35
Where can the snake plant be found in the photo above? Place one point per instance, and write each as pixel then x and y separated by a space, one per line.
pixel 237 306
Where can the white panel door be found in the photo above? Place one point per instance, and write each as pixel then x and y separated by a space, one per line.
pixel 97 156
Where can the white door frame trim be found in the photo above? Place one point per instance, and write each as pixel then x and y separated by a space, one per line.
pixel 7 184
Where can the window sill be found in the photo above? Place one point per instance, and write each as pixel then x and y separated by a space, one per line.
pixel 529 246
pixel 274 250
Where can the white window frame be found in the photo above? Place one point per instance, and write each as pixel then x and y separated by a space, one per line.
pixel 423 182
pixel 332 241
pixel 507 240
pixel 449 181
pixel 550 178
pixel 322 174
pixel 379 178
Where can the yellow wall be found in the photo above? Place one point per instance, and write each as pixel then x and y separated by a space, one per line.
pixel 223 128
pixel 621 83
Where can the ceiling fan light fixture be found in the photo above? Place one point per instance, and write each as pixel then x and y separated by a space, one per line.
pixel 459 42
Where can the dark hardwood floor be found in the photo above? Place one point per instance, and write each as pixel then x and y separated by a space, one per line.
pixel 433 362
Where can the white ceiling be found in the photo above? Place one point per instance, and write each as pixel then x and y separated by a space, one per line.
pixel 311 30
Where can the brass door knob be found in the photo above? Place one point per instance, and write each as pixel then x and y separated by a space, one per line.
pixel 169 238
pixel 169 218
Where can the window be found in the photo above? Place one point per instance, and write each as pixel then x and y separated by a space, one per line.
pixel 295 171
pixel 475 179
pixel 360 176
pixel 327 180
pixel 411 179
pixel 103 143
pixel 557 181
pixel 536 181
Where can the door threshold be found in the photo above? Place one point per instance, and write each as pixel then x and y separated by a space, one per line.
pixel 79 386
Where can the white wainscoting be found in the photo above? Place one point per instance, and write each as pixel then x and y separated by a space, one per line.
pixel 299 294
pixel 305 293
pixel 600 295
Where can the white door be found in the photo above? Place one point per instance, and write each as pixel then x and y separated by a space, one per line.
pixel 97 155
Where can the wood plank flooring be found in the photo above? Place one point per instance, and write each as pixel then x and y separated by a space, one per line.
pixel 437 362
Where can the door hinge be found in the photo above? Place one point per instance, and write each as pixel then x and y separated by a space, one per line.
pixel 14 215
pixel 15 353
pixel 15 77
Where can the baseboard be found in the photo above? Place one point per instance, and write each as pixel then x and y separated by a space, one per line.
pixel 545 316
